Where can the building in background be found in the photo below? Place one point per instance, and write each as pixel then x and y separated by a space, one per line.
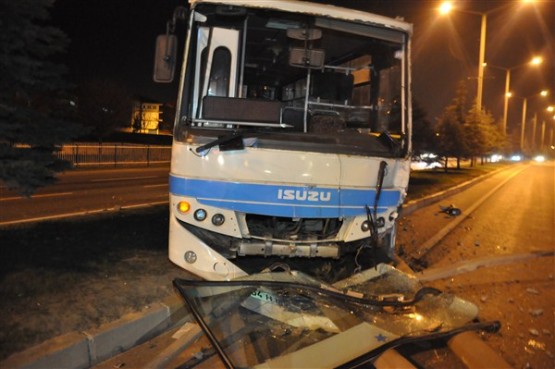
pixel 146 116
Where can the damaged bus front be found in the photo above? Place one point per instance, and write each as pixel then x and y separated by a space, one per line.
pixel 292 135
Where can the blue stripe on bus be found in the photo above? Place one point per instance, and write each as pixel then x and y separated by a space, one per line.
pixel 283 200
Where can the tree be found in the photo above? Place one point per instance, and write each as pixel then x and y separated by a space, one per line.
pixel 470 133
pixel 33 104
pixel 422 131
pixel 450 134
pixel 499 141
pixel 476 133
pixel 483 136
pixel 460 102
pixel 103 106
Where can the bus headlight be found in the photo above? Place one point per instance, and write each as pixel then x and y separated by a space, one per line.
pixel 200 215
pixel 218 219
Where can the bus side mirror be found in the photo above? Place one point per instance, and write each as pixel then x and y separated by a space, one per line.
pixel 165 58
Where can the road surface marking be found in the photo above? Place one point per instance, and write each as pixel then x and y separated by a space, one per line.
pixel 82 213
pixel 122 179
pixel 37 196
pixel 156 185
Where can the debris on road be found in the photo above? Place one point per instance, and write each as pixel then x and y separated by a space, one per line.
pixel 297 315
pixel 450 210
pixel 535 312
pixel 534 332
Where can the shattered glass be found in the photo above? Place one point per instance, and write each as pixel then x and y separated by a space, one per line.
pixel 289 319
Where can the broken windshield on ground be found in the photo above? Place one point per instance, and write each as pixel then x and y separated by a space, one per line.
pixel 289 319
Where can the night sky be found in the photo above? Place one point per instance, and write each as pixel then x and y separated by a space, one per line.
pixel 114 39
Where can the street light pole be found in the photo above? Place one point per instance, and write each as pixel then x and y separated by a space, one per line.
pixel 481 61
pixel 523 123
pixel 506 102
pixel 551 142
pixel 537 60
pixel 543 135
pixel 534 129
pixel 445 8
pixel 545 126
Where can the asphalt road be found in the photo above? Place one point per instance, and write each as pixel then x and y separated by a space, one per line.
pixel 87 191
pixel 509 213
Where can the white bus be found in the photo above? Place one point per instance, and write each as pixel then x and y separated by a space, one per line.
pixel 292 133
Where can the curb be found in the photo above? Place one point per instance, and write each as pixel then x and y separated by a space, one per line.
pixel 85 349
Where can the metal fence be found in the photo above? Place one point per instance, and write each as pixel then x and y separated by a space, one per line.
pixel 94 154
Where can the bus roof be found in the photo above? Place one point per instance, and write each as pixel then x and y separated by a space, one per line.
pixel 331 11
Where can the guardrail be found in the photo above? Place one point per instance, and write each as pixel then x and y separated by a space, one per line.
pixel 94 154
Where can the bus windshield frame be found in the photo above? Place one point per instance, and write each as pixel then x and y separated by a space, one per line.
pixel 295 81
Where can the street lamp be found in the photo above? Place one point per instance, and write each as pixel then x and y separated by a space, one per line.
pixel 543 93
pixel 537 60
pixel 551 133
pixel 445 8
pixel 550 109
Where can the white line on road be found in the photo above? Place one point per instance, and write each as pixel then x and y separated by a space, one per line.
pixel 38 196
pixel 81 213
pixel 156 185
pixel 429 244
pixel 121 179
